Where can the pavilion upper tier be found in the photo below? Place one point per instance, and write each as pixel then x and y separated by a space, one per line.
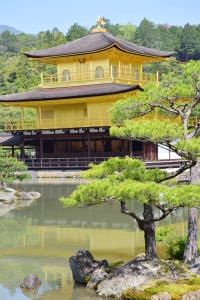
pixel 98 58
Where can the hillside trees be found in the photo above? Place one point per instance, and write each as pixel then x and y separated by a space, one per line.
pixel 75 32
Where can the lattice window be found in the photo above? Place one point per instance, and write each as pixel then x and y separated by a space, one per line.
pixel 66 75
pixel 114 71
pixel 48 119
pixel 82 71
pixel 48 114
pixel 126 70
pixel 136 74
pixel 99 73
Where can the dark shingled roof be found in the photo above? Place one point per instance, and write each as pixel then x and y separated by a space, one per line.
pixel 96 42
pixel 10 140
pixel 70 92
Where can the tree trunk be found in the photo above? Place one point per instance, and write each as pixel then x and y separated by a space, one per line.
pixel 149 234
pixel 190 252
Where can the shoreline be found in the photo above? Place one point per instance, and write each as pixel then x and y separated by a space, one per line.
pixel 53 177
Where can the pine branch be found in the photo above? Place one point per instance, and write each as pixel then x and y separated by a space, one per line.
pixel 125 211
pixel 178 172
pixel 173 111
pixel 193 134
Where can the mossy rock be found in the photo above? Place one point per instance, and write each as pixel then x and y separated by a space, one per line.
pixel 117 264
pixel 176 289
pixel 87 279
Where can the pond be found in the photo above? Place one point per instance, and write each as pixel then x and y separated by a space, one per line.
pixel 40 239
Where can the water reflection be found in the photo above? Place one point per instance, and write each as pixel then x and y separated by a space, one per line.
pixel 40 238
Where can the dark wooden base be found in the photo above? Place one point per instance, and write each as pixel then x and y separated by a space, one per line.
pixel 90 143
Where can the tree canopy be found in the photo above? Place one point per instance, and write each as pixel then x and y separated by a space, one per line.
pixel 160 115
pixel 11 168
pixel 127 179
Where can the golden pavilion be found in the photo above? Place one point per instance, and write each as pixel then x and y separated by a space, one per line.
pixel 72 106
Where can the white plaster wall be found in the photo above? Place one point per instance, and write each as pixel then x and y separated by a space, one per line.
pixel 166 154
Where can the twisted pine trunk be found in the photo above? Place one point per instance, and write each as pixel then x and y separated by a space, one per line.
pixel 147 225
pixel 149 234
pixel 190 252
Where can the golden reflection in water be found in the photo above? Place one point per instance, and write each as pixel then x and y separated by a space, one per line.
pixel 61 242
pixel 45 233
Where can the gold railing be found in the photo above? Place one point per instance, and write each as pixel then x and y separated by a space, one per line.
pixel 76 123
pixel 193 121
pixel 76 78
pixel 57 124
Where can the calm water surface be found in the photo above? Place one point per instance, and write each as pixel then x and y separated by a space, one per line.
pixel 40 239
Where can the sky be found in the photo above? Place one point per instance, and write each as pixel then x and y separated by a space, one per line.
pixel 40 15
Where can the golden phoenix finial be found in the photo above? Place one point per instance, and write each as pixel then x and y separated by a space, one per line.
pixel 100 22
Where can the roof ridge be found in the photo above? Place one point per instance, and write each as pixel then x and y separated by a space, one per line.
pixel 94 42
pixel 127 42
pixel 138 48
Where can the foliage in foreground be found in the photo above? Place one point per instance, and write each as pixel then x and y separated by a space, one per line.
pixel 128 179
pixel 176 289
pixel 166 110
pixel 174 244
pixel 11 168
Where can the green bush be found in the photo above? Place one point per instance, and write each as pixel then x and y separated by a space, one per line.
pixel 175 245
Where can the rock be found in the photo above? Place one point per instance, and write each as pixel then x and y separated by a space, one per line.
pixel 31 282
pixel 163 296
pixel 97 276
pixel 5 208
pixel 195 268
pixel 35 195
pixel 197 260
pixel 192 296
pixel 7 197
pixel 83 265
pixel 10 190
pixel 24 196
pixel 132 275
pixel 140 257
pixel 28 196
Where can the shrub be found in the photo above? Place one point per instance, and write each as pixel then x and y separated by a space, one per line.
pixel 175 245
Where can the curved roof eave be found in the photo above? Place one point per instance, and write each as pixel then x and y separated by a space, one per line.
pixel 68 93
pixel 115 44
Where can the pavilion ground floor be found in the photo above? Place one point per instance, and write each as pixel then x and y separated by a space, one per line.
pixel 74 148
pixel 82 143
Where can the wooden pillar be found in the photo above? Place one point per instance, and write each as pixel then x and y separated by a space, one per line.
pixel 130 148
pixel 123 147
pixel 40 118
pixel 41 146
pixel 144 151
pixel 83 146
pixel 102 141
pixel 22 117
pixel 157 73
pixel 13 152
pixel 140 74
pixel 119 73
pixel 156 152
pixel 55 147
pixel 42 78
pixel 89 149
pixel 22 147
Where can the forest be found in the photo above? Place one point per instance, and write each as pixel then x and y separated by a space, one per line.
pixel 17 74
